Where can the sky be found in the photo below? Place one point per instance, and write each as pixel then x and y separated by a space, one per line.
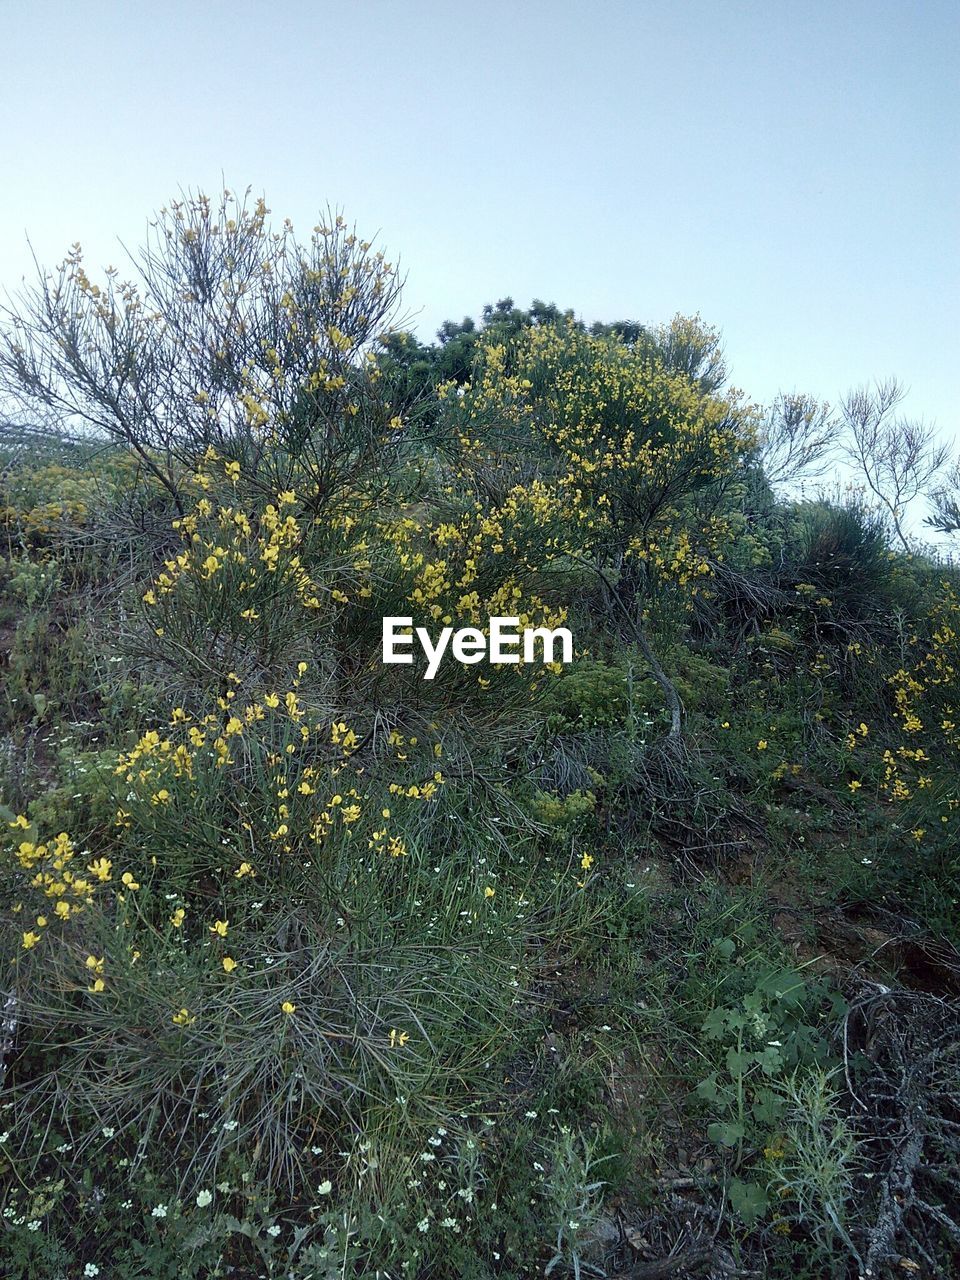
pixel 788 170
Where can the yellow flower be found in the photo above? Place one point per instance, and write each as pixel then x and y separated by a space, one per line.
pixel 220 927
pixel 183 1018
pixel 586 861
pixel 20 821
pixel 128 880
pixel 398 1038
pixel 288 1007
pixel 762 744
pixel 30 940
pixel 244 869
pixel 228 964
pixel 177 918
pixel 489 892
pixel 854 786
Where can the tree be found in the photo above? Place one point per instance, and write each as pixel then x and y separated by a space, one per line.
pixel 796 438
pixel 228 335
pixel 900 459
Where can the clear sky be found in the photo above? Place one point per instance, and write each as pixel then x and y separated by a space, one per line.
pixel 789 170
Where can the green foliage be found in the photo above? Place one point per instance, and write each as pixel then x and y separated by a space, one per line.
pixel 319 969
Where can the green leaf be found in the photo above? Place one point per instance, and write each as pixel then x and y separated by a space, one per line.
pixel 725 1133
pixel 708 1089
pixel 749 1200
pixel 715 1024
pixel 739 1061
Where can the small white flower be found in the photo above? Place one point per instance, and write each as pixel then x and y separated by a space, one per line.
pixel 34 1225
pixel 159 1211
pixel 423 1224
pixel 107 1133
pixel 325 1187
pixel 229 1125
pixel 530 1115
pixel 91 1269
pixel 274 1230
pixel 204 1198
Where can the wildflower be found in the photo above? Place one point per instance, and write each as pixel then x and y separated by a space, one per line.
pixel 228 964
pixel 204 1198
pixel 398 1038
pixel 30 939
pixel 159 1211
pixel 762 744
pixel 128 880
pixel 854 786
pixel 20 821
pixel 219 927
pixel 274 1230
pixel 489 892
pixel 325 1187
pixel 288 1007
pixel 90 1270
pixel 586 861
pixel 183 1018
pixel 177 918
pixel 244 869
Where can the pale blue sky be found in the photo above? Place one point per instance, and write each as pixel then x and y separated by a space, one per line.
pixel 789 170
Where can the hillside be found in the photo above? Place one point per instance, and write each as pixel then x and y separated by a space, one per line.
pixel 640 964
